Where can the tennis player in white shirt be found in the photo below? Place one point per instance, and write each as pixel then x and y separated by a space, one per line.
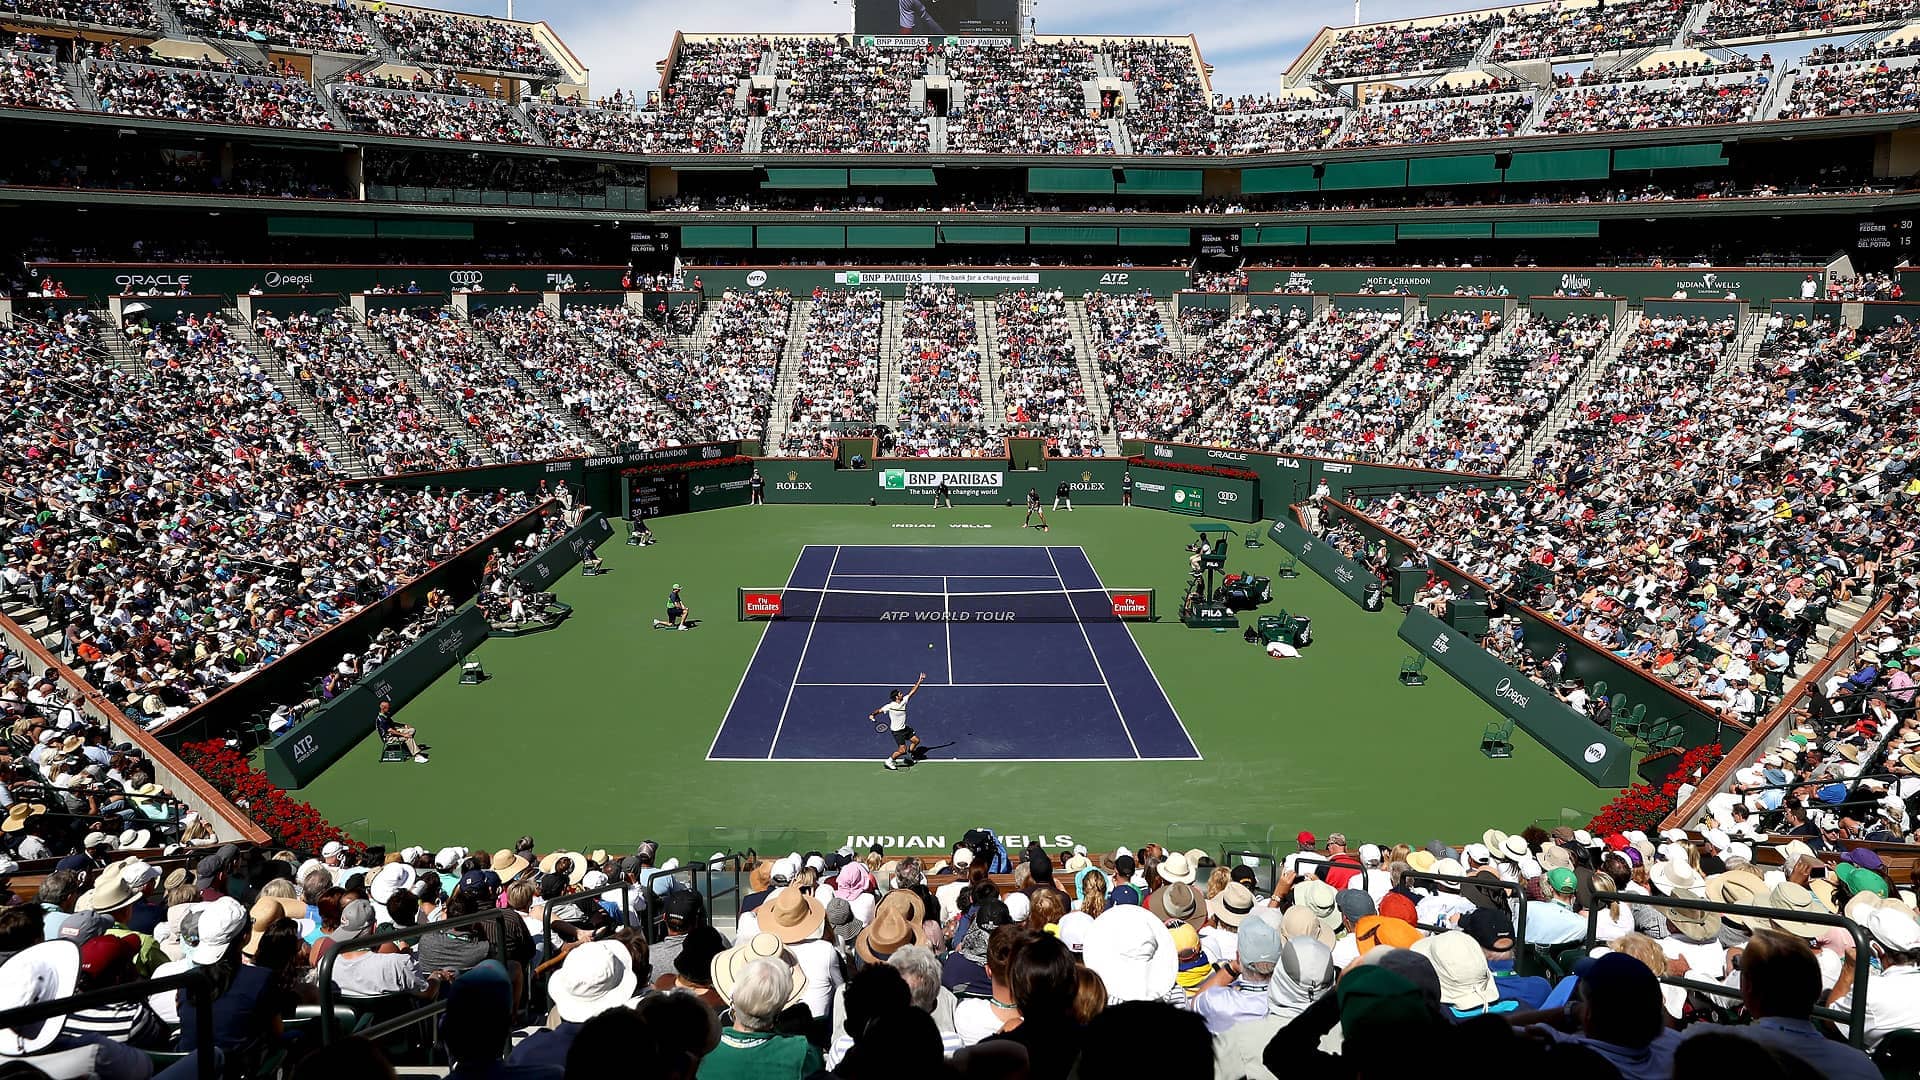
pixel 905 742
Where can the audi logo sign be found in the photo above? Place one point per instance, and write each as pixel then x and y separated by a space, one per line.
pixel 1227 496
pixel 465 277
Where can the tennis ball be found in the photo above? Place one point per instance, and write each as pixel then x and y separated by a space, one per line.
pixel 929 644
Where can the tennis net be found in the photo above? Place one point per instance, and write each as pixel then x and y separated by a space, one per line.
pixel 855 605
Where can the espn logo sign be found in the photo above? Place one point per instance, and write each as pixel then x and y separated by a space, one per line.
pixel 765 604
pixel 1128 605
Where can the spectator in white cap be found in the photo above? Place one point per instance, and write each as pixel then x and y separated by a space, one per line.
pixel 1134 954
pixel 1893 992
pixel 389 879
pixel 1237 990
pixel 1303 975
pixel 595 976
pixel 47 972
pixel 1466 982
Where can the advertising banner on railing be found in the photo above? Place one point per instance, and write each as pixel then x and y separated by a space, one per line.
pixel 326 734
pixel 541 571
pixel 1591 750
pixel 1196 493
pixel 1752 284
pixel 1286 479
pixel 1324 559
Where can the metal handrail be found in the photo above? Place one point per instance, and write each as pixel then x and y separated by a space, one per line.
pixel 324 974
pixel 1856 1014
pixel 194 982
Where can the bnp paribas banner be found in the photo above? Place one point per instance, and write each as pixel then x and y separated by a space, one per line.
pixel 927 481
pixel 1591 750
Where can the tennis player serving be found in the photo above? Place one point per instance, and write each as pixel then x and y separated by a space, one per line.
pixel 904 740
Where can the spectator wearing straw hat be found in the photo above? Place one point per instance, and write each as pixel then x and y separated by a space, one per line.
pixel 797 920
pixel 1225 914
pixel 47 972
pixel 759 982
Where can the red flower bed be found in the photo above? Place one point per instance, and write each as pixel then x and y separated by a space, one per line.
pixel 1203 470
pixel 290 822
pixel 1644 806
pixel 686 466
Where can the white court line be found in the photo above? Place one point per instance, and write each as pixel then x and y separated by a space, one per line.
pixel 961 685
pixel 868 762
pixel 946 603
pixel 1091 651
pixel 1135 642
pixel 959 577
pixel 742 684
pixel 811 624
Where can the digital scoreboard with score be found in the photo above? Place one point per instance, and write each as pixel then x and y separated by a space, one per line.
pixel 1884 237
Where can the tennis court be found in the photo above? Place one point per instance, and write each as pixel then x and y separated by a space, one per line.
pixel 1025 654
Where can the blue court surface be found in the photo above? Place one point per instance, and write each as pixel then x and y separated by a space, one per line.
pixel 1048 685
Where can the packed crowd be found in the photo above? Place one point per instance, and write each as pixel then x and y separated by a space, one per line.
pixel 1030 100
pixel 838 380
pixel 179 93
pixel 198 544
pixel 1040 385
pixel 1842 766
pixel 33 81
pixel 990 961
pixel 136 14
pixel 1731 20
pixel 697 112
pixel 1487 417
pixel 429 116
pixel 301 24
pixel 1170 114
pixel 1638 106
pixel 1278 364
pixel 490 373
pixel 1403 47
pixel 1440 120
pixel 1723 527
pixel 1364 418
pixel 1851 89
pixel 439 40
pixel 601 374
pixel 726 391
pixel 69 784
pixel 1147 381
pixel 1276 128
pixel 376 410
pixel 940 411
pixel 1566 31
pixel 846 99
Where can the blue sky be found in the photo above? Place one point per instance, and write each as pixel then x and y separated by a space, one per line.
pixel 1248 43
